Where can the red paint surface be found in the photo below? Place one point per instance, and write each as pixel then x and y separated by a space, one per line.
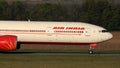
pixel 8 42
pixel 93 45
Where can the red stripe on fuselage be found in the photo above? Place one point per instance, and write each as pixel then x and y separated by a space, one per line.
pixel 67 43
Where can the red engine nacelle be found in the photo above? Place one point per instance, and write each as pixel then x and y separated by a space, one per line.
pixel 8 43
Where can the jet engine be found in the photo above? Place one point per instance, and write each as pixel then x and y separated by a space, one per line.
pixel 8 43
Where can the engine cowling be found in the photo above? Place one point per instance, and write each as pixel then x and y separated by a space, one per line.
pixel 8 43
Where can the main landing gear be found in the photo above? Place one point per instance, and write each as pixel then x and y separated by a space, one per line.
pixel 92 46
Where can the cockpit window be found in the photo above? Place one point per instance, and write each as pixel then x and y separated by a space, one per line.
pixel 104 31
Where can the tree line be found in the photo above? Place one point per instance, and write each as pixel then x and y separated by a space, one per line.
pixel 99 12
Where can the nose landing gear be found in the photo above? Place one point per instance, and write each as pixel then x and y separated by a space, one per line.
pixel 92 46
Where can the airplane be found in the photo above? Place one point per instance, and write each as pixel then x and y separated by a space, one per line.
pixel 13 33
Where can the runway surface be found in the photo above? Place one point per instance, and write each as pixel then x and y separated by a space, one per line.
pixel 59 53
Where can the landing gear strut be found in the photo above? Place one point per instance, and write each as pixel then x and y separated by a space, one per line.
pixel 92 46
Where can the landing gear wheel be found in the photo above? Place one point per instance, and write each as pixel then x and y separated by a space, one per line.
pixel 90 52
pixel 92 46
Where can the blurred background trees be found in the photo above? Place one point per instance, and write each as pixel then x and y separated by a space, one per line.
pixel 104 13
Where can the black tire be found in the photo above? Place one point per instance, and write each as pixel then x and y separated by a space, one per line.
pixel 90 52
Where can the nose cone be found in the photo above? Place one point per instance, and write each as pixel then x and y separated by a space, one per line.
pixel 107 36
pixel 110 36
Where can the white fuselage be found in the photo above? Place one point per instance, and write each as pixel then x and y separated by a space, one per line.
pixel 69 32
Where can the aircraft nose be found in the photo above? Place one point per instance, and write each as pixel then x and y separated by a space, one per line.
pixel 108 36
pixel 111 36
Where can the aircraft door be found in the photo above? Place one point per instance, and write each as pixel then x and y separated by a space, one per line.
pixel 87 32
pixel 51 37
pixel 49 31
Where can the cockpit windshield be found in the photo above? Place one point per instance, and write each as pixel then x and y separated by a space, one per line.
pixel 103 31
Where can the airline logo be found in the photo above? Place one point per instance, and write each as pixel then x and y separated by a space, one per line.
pixel 69 30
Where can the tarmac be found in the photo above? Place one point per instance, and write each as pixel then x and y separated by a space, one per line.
pixel 59 53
